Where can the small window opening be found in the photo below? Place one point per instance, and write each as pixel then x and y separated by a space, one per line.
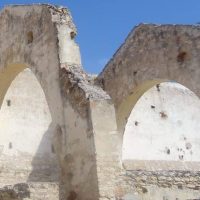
pixel 29 37
pixel 8 102
pixel 72 35
pixel 181 57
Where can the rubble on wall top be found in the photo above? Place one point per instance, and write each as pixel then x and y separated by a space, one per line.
pixel 81 79
pixel 62 15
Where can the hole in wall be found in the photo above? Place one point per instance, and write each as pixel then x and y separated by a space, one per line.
pixel 144 190
pixel 163 115
pixel 103 84
pixel 158 87
pixel 188 145
pixel 29 37
pixel 72 35
pixel 72 195
pixel 181 157
pixel 167 150
pixel 134 73
pixel 181 57
pixel 8 102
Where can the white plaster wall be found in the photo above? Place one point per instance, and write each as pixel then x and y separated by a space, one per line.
pixel 26 122
pixel 164 125
pixel 26 130
pixel 68 49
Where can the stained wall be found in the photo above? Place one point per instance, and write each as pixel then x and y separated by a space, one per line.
pixel 163 125
pixel 150 52
pixel 150 55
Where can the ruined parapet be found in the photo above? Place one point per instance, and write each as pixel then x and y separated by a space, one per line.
pixel 68 49
pixel 167 52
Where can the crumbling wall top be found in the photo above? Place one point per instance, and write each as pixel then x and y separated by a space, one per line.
pixel 152 52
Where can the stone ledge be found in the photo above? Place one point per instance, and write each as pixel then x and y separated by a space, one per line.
pixel 159 165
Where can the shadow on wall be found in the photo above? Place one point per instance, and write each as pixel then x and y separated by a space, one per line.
pixel 28 132
pixel 45 165
pixel 32 127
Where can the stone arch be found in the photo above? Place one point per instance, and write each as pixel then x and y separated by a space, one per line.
pixel 27 129
pixel 124 110
pixel 43 165
pixel 151 52
pixel 11 71
pixel 31 43
pixel 40 53
pixel 39 37
pixel 173 119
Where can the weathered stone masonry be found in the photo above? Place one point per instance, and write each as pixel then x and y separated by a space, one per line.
pixel 79 156
pixel 153 54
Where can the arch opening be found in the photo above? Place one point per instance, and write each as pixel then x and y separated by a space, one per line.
pixel 162 130
pixel 26 130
